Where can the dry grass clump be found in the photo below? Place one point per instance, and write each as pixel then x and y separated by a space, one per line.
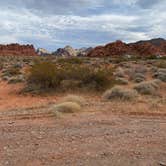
pixel 118 92
pixel 69 104
pixel 66 107
pixel 148 87
pixel 74 98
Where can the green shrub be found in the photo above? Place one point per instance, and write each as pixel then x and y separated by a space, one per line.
pixel 44 75
pixel 72 60
pixel 48 75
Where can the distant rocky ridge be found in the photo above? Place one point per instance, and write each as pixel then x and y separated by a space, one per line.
pixel 43 52
pixel 154 47
pixel 17 50
pixel 68 51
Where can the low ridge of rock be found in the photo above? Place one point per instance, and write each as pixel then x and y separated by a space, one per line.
pixel 154 47
pixel 17 50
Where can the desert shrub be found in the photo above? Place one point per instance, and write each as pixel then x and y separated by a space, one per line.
pixel 74 98
pixel 119 72
pixel 44 75
pixel 16 79
pixel 66 107
pixel 1 65
pixel 140 69
pixel 148 87
pixel 12 71
pixel 138 77
pixel 161 64
pixel 48 75
pixel 118 92
pixel 71 60
pixel 121 81
pixel 66 85
pixel 161 75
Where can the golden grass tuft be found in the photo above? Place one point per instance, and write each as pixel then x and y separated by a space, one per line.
pixel 67 107
pixel 74 98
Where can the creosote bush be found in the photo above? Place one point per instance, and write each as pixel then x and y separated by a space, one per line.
pixel 70 60
pixel 47 75
pixel 44 75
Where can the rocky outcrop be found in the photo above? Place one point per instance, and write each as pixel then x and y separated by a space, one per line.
pixel 142 48
pixel 117 48
pixel 17 50
pixel 83 51
pixel 68 51
pixel 65 52
pixel 42 52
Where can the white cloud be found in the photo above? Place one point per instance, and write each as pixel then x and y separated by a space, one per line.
pixel 17 25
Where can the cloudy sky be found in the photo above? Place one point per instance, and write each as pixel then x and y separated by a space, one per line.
pixel 55 23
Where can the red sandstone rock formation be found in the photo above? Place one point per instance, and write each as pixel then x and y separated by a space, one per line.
pixel 111 49
pixel 17 50
pixel 142 48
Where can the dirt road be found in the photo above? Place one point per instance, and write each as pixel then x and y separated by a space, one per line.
pixel 85 139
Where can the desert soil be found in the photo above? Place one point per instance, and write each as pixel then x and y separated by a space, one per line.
pixel 84 139
pixel 101 135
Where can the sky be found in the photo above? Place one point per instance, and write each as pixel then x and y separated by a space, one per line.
pixel 51 24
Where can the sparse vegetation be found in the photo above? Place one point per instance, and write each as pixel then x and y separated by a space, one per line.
pixel 48 75
pixel 12 71
pixel 121 81
pixel 121 93
pixel 66 107
pixel 148 87
pixel 161 64
pixel 74 98
pixel 161 75
pixel 138 77
pixel 70 60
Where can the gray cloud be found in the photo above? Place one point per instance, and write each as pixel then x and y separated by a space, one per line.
pixel 149 3
pixel 55 23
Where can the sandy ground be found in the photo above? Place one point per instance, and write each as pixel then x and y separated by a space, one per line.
pixel 103 134
pixel 11 99
pixel 84 139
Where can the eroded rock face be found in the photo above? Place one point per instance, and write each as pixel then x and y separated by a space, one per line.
pixel 65 52
pixel 83 51
pixel 142 48
pixel 43 52
pixel 17 50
